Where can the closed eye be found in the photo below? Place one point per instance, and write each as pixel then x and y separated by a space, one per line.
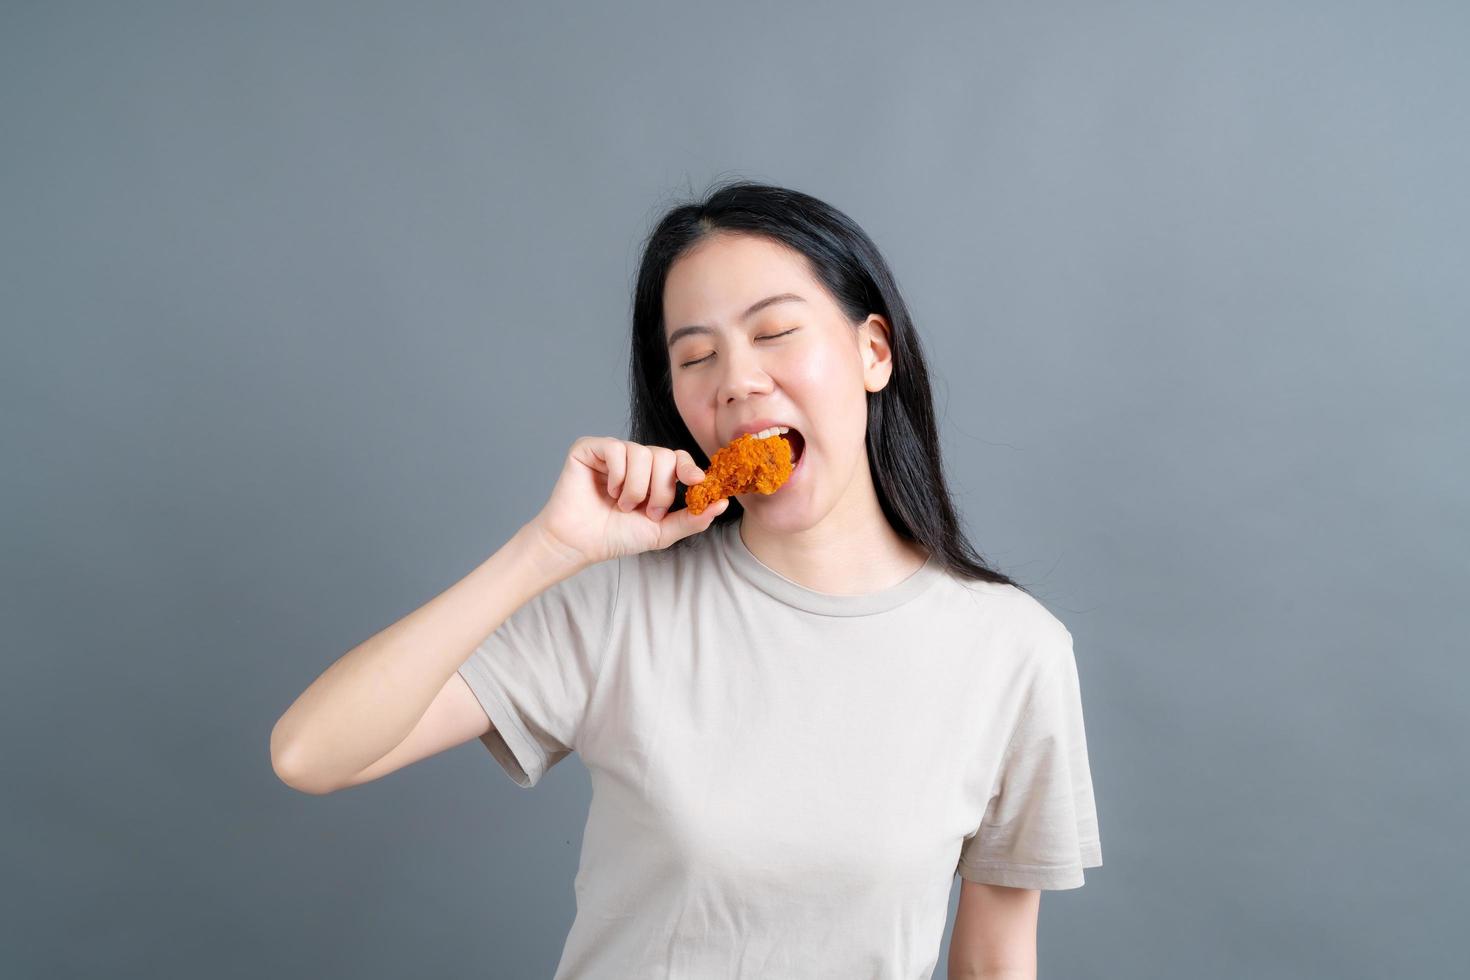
pixel 767 337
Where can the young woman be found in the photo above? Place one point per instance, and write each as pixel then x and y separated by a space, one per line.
pixel 803 712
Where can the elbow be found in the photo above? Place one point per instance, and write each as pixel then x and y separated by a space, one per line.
pixel 287 765
pixel 300 783
pixel 298 779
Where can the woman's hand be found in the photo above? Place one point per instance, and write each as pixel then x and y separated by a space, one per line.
pixel 613 496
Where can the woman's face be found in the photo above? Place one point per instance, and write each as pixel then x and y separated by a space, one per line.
pixel 796 362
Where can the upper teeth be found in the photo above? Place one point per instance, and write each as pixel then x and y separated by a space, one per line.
pixel 773 430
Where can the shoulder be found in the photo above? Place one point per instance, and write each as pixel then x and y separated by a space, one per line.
pixel 1014 605
pixel 1034 628
pixel 662 568
pixel 585 591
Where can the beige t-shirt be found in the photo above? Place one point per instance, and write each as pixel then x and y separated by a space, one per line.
pixel 786 781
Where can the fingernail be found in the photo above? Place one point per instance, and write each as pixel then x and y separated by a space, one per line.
pixel 655 512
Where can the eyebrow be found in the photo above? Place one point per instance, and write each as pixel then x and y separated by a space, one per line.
pixel 755 308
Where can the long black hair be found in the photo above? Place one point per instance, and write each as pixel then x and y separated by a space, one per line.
pixel 902 441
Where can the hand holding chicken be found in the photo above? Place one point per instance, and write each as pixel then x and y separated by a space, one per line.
pixel 612 500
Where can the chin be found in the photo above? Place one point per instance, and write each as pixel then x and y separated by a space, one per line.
pixel 786 516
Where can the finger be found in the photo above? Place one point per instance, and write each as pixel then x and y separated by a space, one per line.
pixel 589 450
pixel 681 523
pixel 635 481
pixel 616 454
pixel 661 482
pixel 689 471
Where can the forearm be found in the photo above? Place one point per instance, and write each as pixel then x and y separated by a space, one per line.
pixel 368 701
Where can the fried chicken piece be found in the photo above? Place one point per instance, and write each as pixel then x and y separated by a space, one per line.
pixel 746 465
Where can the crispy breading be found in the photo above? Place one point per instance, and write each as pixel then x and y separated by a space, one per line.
pixel 746 465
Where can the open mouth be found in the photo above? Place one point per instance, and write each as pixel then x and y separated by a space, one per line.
pixel 798 445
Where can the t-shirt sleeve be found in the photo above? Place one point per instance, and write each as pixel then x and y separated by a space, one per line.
pixel 534 675
pixel 1040 825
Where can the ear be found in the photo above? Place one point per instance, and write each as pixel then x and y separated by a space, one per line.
pixel 876 351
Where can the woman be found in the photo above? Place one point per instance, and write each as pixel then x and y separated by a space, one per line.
pixel 803 712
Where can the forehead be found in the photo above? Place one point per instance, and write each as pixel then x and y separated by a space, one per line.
pixel 723 275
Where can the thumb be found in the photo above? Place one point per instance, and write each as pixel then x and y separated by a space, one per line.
pixel 681 523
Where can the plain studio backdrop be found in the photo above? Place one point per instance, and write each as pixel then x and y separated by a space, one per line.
pixel 303 304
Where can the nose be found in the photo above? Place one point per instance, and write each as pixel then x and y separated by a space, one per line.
pixel 742 374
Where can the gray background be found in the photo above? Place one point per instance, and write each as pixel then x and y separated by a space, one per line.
pixel 303 305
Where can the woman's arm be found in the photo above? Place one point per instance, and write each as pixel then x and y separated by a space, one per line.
pixel 994 933
pixel 367 702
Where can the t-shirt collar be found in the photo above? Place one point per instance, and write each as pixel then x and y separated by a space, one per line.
pixel 772 582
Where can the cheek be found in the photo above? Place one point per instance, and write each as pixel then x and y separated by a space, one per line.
pixel 694 408
pixel 826 378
